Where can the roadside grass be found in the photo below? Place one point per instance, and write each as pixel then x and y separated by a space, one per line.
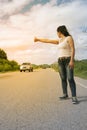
pixel 81 68
pixel 81 74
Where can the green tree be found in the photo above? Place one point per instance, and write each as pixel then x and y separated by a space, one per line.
pixel 3 55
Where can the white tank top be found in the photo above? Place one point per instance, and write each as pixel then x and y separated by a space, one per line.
pixel 64 49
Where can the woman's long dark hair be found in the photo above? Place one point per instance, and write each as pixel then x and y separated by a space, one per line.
pixel 63 30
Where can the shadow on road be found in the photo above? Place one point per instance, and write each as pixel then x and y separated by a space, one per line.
pixel 82 98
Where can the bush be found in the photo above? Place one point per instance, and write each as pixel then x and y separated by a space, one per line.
pixel 55 66
pixel 44 66
pixel 14 65
pixel 1 68
pixel 3 55
pixel 6 65
pixel 35 66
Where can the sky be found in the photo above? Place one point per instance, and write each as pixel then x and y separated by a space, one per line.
pixel 22 20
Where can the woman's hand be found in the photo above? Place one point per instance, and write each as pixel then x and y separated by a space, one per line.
pixel 71 64
pixel 36 39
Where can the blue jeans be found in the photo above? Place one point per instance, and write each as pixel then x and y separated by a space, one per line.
pixel 67 73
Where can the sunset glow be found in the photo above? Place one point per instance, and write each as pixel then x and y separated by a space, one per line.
pixel 21 21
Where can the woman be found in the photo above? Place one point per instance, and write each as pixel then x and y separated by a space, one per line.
pixel 65 60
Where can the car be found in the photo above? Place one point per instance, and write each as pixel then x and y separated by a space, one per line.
pixel 26 67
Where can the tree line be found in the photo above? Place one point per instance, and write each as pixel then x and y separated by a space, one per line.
pixel 5 64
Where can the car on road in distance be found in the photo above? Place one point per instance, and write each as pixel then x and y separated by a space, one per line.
pixel 26 67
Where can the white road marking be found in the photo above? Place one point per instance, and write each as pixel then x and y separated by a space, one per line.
pixel 81 84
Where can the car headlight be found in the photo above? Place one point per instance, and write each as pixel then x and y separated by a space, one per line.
pixel 21 67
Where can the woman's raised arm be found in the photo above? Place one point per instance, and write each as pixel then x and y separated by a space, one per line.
pixel 46 40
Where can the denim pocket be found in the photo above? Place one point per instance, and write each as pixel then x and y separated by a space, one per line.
pixel 67 62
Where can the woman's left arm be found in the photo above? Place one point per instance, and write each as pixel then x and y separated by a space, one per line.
pixel 71 43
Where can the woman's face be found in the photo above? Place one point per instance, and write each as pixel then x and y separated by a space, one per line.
pixel 59 34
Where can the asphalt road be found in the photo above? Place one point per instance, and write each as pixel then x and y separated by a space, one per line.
pixel 30 101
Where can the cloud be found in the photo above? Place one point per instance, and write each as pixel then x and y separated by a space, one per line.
pixel 9 7
pixel 18 32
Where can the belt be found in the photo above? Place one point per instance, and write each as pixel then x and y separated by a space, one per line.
pixel 64 58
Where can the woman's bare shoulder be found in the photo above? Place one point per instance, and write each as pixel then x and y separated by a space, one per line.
pixel 69 38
